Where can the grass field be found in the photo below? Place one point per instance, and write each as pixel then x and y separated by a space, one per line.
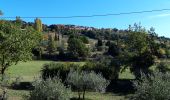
pixel 31 69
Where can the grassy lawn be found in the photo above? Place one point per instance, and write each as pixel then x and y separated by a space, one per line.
pixel 26 70
pixel 31 69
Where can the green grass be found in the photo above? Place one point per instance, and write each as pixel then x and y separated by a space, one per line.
pixel 29 70
pixel 99 96
pixel 26 70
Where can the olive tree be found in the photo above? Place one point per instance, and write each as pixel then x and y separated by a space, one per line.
pixel 87 80
pixel 154 87
pixel 50 89
pixel 15 44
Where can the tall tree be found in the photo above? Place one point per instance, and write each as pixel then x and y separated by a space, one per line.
pixel 16 44
pixel 38 25
pixel 140 53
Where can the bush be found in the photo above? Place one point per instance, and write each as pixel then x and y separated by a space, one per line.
pixel 98 67
pixel 6 80
pixel 154 87
pixel 50 89
pixel 51 70
pixel 87 80
pixel 163 67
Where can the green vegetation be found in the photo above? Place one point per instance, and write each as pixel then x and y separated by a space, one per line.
pixel 77 48
pixel 98 56
pixel 86 80
pixel 31 70
pixel 50 89
pixel 154 87
pixel 13 47
pixel 51 45
pixel 38 25
pixel 27 70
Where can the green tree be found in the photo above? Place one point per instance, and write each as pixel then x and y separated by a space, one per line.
pixel 140 52
pixel 84 39
pixel 50 89
pixel 51 45
pixel 87 80
pixel 154 87
pixel 16 44
pixel 77 48
pixel 100 42
pixel 38 25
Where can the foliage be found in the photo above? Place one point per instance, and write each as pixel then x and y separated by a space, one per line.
pixel 84 39
pixel 154 87
pixel 57 69
pixel 50 89
pixel 37 52
pixel 108 43
pixel 77 48
pixel 87 80
pixel 18 21
pixel 5 81
pixel 51 45
pixel 62 69
pixel 113 50
pixel 38 25
pixel 99 67
pixel 140 52
pixel 16 44
pixel 100 42
pixel 163 67
pixel 61 52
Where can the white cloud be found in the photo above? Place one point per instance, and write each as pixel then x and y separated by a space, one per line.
pixel 160 15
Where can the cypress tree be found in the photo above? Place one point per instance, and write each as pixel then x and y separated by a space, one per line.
pixel 38 25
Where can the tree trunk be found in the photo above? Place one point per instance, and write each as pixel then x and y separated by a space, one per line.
pixel 3 73
pixel 84 91
pixel 79 95
pixel 116 71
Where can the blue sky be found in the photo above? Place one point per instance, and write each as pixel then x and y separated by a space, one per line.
pixel 50 8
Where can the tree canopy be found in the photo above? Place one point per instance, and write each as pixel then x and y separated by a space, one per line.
pixel 77 48
pixel 16 44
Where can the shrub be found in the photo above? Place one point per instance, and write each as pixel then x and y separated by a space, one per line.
pixel 62 69
pixel 87 80
pixel 51 70
pixel 50 89
pixel 163 67
pixel 6 80
pixel 98 68
pixel 154 87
